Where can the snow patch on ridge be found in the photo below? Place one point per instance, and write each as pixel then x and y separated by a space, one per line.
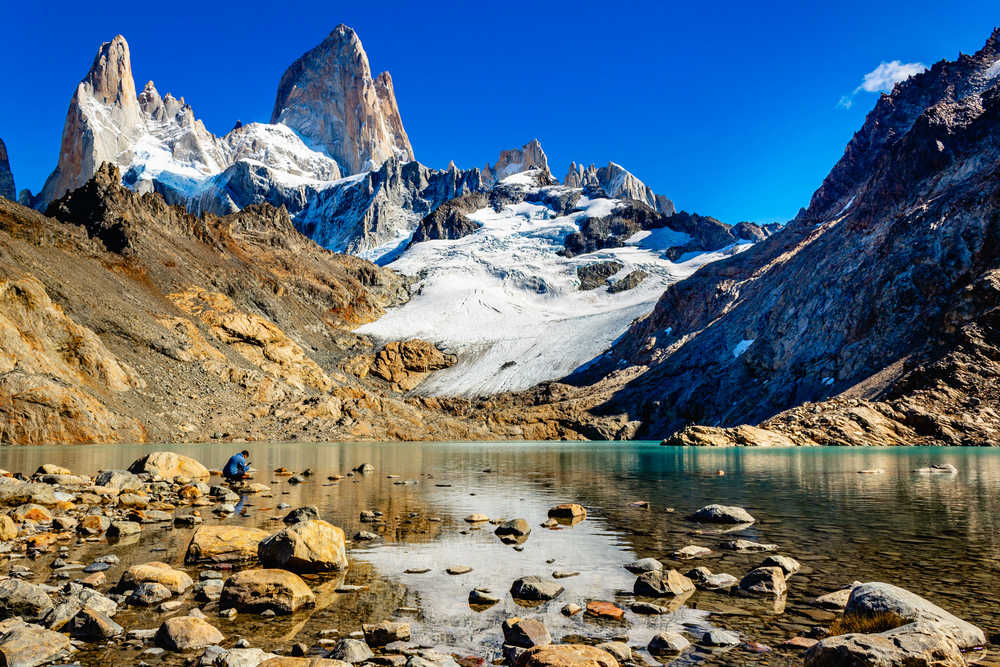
pixel 509 305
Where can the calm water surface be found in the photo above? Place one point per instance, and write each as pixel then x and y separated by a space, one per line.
pixel 937 535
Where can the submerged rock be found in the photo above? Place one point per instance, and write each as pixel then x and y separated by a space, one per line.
pixel 656 584
pixel 721 514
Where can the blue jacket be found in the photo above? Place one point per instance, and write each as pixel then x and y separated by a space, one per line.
pixel 235 466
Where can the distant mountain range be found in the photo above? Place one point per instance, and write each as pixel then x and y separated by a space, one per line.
pixel 868 319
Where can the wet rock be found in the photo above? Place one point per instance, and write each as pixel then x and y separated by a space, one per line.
pixel 873 598
pixel 224 544
pixel 748 546
pixel 565 574
pixel 566 655
pixel 571 609
pixel 24 599
pixel 386 632
pixel 705 580
pixel 535 589
pixel 64 523
pixel 764 581
pixel 280 591
pixel 801 643
pixel 149 593
pixel 721 514
pixel 365 536
pixel 788 565
pixel 119 529
pixel 525 632
pixel 174 580
pixel 568 511
pixel 477 518
pixel 307 546
pixel 27 645
pixel 208 590
pixel 353 651
pixel 133 501
pixel 92 625
pixel 282 661
pixel 657 584
pixel 667 642
pixel 720 637
pixel 606 610
pixel 644 565
pixel 458 569
pixel 300 514
pixel 120 480
pixel 240 657
pixel 482 596
pixel 168 465
pixel 691 551
pixel 184 633
pixel 514 530
pixel 916 644
pixel 836 600
pixel 938 468
pixel 649 609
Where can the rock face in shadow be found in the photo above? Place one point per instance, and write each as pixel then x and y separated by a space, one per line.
pixel 449 221
pixel 329 98
pixel 871 318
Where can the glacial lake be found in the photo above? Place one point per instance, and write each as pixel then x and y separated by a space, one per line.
pixel 937 535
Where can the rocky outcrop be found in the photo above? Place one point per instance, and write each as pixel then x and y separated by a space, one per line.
pixel 449 221
pixel 6 176
pixel 617 182
pixel 405 364
pixel 328 97
pixel 593 276
pixel 515 161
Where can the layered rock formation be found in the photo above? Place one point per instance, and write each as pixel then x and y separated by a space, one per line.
pixel 869 319
pixel 329 98
pixel 6 177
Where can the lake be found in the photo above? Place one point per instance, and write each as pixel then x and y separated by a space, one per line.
pixel 937 535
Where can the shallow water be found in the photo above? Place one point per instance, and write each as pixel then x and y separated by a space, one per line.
pixel 937 535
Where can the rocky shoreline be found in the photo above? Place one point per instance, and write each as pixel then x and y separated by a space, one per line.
pixel 64 535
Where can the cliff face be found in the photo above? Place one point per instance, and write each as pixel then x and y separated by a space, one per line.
pixel 329 98
pixel 875 307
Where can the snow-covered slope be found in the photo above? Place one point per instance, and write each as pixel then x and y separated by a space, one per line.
pixel 511 307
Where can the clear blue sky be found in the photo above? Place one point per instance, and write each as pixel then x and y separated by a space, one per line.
pixel 729 108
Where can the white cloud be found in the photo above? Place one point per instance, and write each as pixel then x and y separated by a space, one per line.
pixel 882 79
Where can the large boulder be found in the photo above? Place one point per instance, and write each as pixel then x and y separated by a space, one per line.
pixel 662 583
pixel 176 581
pixel 306 546
pixel 566 655
pixel 27 645
pixel 764 581
pixel 914 645
pixel 17 492
pixel 525 633
pixel 24 599
pixel 169 465
pixel 121 480
pixel 721 514
pixel 258 590
pixel 875 598
pixel 224 544
pixel 352 651
pixel 183 633
pixel 283 661
pixel 535 589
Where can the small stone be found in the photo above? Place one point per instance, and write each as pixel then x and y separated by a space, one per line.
pixel 662 584
pixel 607 610
pixel 459 569
pixel 667 642
pixel 571 609
pixel 720 638
pixel 644 565
pixel 353 651
pixel 535 588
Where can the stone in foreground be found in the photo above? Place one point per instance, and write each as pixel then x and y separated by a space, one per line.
pixel 722 514
pixel 535 589
pixel 224 544
pixel 27 645
pixel 280 591
pixel 658 584
pixel 386 632
pixel 307 546
pixel 917 644
pixel 764 581
pixel 566 655
pixel 183 633
pixel 175 580
pixel 667 642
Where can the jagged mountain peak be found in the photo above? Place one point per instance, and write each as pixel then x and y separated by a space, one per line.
pixel 110 75
pixel 516 160
pixel 329 98
pixel 6 177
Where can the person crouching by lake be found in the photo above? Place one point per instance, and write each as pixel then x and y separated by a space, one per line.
pixel 237 467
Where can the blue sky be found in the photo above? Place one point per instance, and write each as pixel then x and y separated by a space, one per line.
pixel 731 109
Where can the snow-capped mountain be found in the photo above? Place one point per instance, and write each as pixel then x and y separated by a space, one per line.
pixel 498 285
